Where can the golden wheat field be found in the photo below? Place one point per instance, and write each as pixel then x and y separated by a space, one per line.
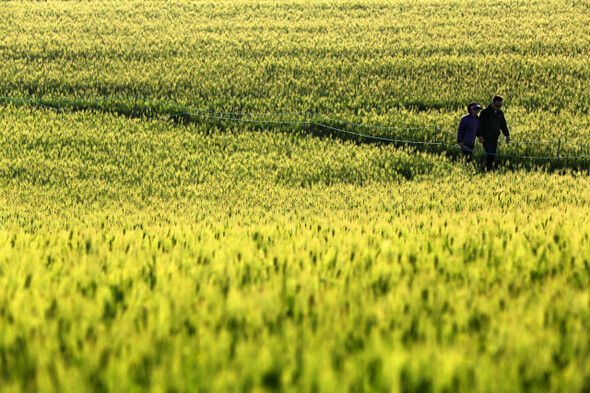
pixel 144 253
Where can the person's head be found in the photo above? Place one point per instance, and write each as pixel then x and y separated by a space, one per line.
pixel 497 102
pixel 473 108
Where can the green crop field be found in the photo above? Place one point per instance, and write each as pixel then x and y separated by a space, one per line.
pixel 221 256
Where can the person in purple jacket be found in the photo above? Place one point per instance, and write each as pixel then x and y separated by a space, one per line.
pixel 467 129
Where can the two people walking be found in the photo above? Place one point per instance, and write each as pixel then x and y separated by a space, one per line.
pixel 486 128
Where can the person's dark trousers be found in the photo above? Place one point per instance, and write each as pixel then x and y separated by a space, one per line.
pixel 491 147
pixel 467 150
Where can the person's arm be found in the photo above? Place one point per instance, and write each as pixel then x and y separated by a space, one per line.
pixel 461 132
pixel 480 129
pixel 504 129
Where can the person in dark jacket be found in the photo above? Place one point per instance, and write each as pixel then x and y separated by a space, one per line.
pixel 467 129
pixel 491 123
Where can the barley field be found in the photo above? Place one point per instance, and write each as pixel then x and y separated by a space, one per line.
pixel 145 255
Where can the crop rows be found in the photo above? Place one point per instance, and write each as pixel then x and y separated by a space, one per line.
pixel 170 255
pixel 376 62
pixel 143 256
